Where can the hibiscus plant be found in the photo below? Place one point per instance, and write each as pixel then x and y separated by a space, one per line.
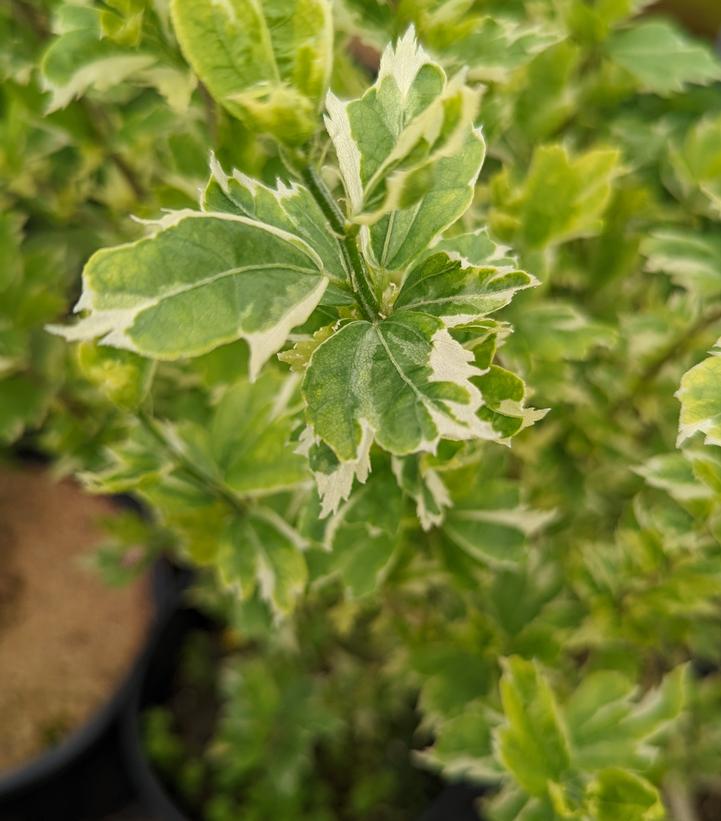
pixel 421 385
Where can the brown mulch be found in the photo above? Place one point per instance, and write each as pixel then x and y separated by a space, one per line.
pixel 66 639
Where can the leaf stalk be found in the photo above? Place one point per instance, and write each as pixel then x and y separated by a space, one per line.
pixel 360 277
pixel 199 476
pixel 675 348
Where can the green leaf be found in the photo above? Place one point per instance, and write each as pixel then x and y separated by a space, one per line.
pixel 123 21
pixel 659 707
pixel 512 804
pixel 403 382
pixel 593 23
pixel 298 357
pixel 619 795
pixel 454 676
pixel 697 165
pixel 424 485
pixel 80 59
pixel 602 699
pixel 662 58
pixel 333 477
pixel 489 522
pixel 463 747
pixel 610 726
pixel 249 436
pixel 361 538
pixel 494 46
pixel 261 550
pixel 23 403
pixel 288 207
pixel 555 331
pixel 203 280
pixel 13 347
pixel 563 196
pixel 267 63
pixel 272 706
pixel 691 258
pixel 458 292
pixel 11 261
pixel 408 153
pixel 700 397
pixel 533 743
pixel 549 95
pixel 674 474
pixel 504 402
pixel 518 595
pixel 122 376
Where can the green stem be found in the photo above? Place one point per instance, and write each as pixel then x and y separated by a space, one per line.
pixel 201 478
pixel 680 344
pixel 102 130
pixel 360 278
pixel 676 347
pixel 33 18
pixel 211 112
pixel 680 799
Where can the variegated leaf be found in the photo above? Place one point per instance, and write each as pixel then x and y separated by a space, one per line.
pixel 267 63
pixel 361 538
pixel 674 474
pixel 504 402
pixel 123 377
pixel 203 280
pixel 617 793
pixel 400 237
pixel 563 196
pixel 609 725
pixel 408 153
pixel 248 438
pixel 533 745
pixel 334 478
pixel 458 292
pixel 476 248
pixel 691 258
pixel 403 382
pixel 494 46
pixel 662 58
pixel 700 397
pixel 559 332
pixel 491 524
pixel 261 551
pixel 696 163
pixel 80 59
pixel 425 486
pixel 288 207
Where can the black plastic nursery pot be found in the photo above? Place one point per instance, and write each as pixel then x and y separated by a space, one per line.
pixel 82 777
pixel 152 687
pixel 454 803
